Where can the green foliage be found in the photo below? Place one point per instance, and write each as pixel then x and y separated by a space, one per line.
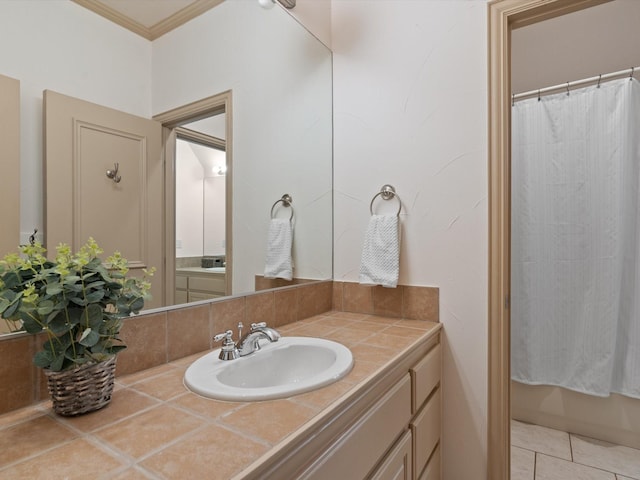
pixel 78 301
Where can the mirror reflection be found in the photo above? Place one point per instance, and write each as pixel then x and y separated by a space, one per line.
pixel 280 79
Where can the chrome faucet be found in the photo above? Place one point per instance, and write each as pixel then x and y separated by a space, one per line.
pixel 248 344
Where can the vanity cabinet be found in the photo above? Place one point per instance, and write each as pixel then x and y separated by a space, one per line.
pixel 197 284
pixel 397 437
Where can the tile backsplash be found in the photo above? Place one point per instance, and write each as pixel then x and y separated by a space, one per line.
pixel 163 335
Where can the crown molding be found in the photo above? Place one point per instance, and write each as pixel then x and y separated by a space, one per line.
pixel 181 17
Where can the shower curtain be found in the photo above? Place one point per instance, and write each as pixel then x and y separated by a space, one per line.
pixel 575 268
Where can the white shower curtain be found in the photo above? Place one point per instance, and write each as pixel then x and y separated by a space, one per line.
pixel 575 268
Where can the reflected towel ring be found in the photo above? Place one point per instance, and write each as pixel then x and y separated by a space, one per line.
pixel 286 201
pixel 387 192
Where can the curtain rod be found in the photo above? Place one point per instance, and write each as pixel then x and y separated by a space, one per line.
pixel 577 83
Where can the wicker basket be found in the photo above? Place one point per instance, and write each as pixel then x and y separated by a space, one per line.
pixel 82 389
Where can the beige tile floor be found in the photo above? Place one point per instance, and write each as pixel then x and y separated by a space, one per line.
pixel 540 453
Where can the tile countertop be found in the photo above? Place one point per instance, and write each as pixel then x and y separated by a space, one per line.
pixel 155 428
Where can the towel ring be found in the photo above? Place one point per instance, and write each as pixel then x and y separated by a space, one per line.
pixel 286 201
pixel 387 192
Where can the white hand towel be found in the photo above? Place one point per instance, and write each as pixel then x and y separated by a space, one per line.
pixel 279 240
pixel 381 252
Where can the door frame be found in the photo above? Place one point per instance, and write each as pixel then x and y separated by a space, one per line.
pixel 171 120
pixel 504 16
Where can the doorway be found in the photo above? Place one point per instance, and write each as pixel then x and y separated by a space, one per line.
pixel 503 16
pixel 174 123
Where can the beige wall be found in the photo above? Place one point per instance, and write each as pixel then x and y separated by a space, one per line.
pixel 598 40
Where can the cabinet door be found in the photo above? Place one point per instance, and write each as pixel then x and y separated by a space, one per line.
pixel 397 464
pixel 360 449
pixel 181 296
pixel 426 431
pixel 432 472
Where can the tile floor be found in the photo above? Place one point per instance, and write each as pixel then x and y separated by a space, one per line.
pixel 540 453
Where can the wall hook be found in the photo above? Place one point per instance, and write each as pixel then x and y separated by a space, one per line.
pixel 32 237
pixel 113 174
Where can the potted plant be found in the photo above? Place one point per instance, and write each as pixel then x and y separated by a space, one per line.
pixel 77 303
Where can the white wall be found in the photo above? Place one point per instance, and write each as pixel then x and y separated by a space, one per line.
pixel 60 46
pixel 189 202
pixel 214 215
pixel 410 108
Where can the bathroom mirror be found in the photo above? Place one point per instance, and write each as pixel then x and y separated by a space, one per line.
pixel 280 78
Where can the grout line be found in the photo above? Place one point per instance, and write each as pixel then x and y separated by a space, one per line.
pixel 571 447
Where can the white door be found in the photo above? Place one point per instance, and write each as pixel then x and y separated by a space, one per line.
pixel 82 142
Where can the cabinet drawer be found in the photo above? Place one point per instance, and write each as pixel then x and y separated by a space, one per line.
pixel 181 282
pixel 212 284
pixel 362 446
pixel 425 428
pixel 425 375
pixel 397 465
pixel 432 472
pixel 197 296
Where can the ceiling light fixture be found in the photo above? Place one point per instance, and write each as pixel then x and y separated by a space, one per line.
pixel 267 4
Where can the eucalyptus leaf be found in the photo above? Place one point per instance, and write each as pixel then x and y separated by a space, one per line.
pixel 43 359
pixel 12 308
pixel 59 324
pixel 75 315
pixel 29 324
pixel 45 307
pixel 71 279
pixel 54 289
pixel 94 297
pixel 89 338
pixel 11 280
pixel 95 316
pixel 79 301
pixel 57 362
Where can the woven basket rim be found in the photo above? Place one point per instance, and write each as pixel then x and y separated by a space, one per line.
pixel 83 366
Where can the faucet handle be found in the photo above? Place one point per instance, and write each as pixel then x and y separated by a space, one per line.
pixel 226 336
pixel 258 325
pixel 229 351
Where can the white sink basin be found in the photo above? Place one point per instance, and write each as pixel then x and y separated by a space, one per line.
pixel 280 369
